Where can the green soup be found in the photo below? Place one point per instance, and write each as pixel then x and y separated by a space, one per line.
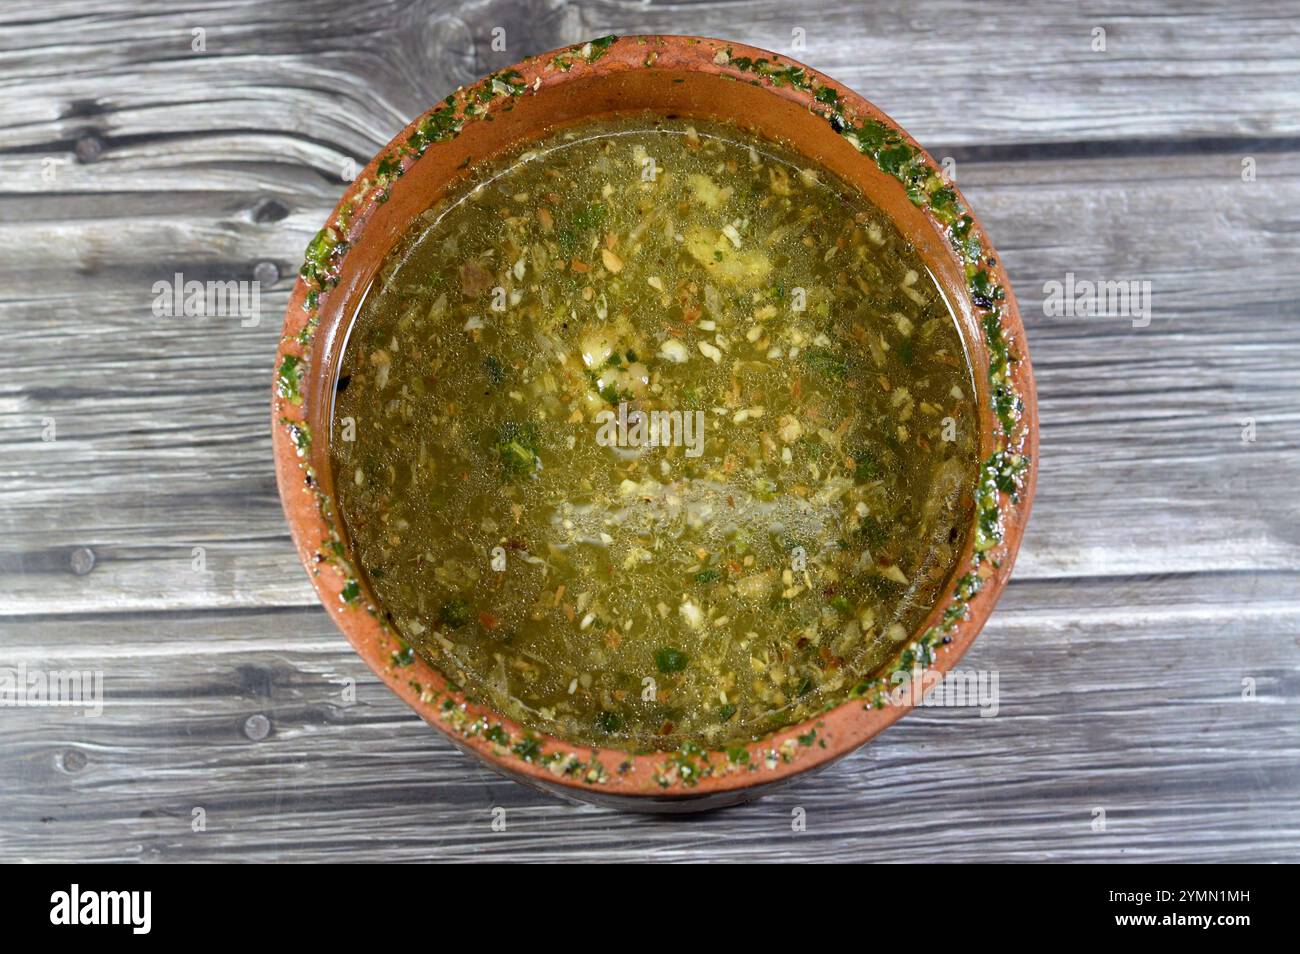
pixel 654 434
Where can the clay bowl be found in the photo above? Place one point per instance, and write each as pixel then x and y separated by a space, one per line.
pixel 684 76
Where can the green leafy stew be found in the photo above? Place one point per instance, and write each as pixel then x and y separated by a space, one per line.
pixel 654 434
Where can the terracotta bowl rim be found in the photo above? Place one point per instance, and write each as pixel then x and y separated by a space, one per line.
pixel 551 762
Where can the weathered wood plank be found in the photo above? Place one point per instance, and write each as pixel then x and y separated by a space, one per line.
pixel 1184 771
pixel 986 73
pixel 1162 561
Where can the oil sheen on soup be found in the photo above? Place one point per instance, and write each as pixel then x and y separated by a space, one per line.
pixel 654 434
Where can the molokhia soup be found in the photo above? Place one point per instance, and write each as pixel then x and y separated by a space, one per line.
pixel 655 434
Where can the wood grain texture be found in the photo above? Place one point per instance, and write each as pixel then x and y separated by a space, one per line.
pixel 1161 567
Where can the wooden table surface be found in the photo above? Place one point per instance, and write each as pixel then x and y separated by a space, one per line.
pixel 1148 648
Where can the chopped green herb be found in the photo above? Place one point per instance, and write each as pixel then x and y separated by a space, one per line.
pixel 670 660
pixel 454 614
